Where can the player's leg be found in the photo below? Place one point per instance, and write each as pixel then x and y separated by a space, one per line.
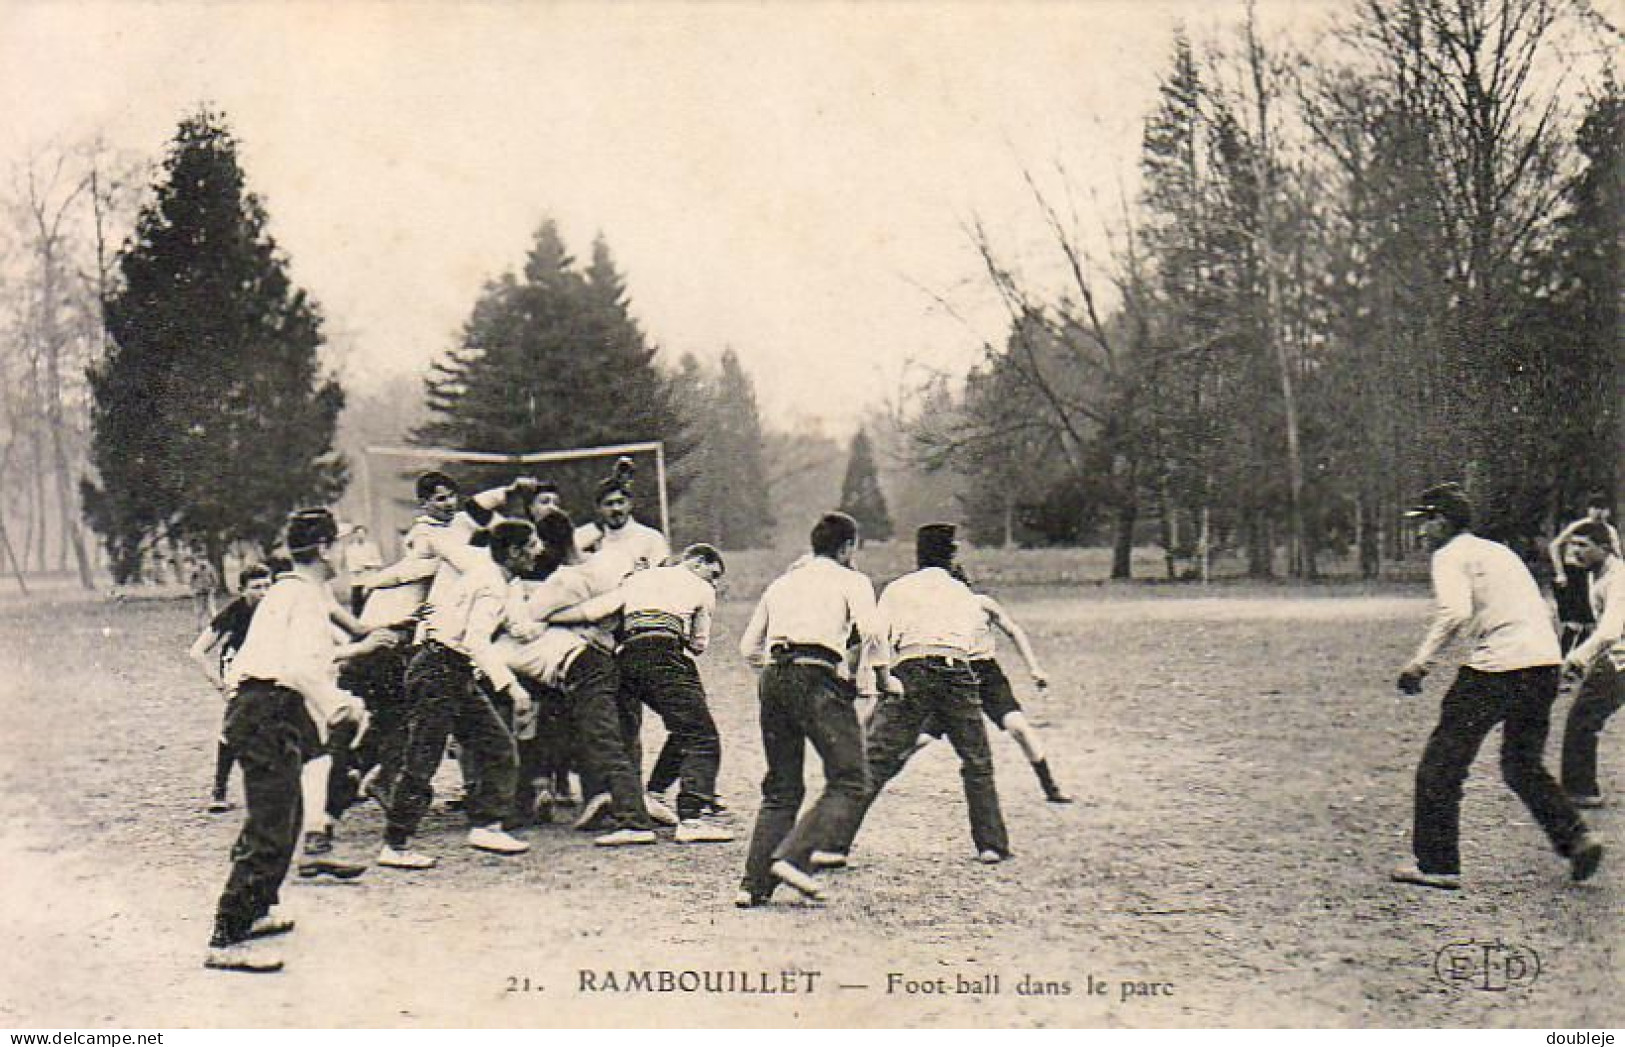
pixel 265 737
pixel 668 766
pixel 893 729
pixel 1000 706
pixel 1523 744
pixel 783 788
pixel 954 697
pixel 678 697
pixel 1469 711
pixel 432 680
pixel 223 759
pixel 829 720
pixel 592 685
pixel 1599 696
pixel 481 726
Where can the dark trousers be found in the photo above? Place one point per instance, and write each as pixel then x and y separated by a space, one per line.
pixel 668 766
pixel 445 702
pixel 1600 695
pixel 271 733
pixel 223 759
pixel 379 680
pixel 800 704
pixel 1521 701
pixel 549 755
pixel 593 687
pixel 948 694
pixel 657 672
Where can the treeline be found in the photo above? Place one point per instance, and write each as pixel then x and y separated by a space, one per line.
pixel 1348 273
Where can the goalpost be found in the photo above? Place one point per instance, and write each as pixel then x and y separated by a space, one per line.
pixel 372 507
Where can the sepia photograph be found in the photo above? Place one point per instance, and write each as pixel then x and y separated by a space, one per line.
pixel 908 515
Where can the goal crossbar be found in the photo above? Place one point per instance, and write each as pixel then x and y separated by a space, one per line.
pixel 449 454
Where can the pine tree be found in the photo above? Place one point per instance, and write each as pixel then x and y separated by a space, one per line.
pixel 551 358
pixel 861 496
pixel 725 499
pixel 211 415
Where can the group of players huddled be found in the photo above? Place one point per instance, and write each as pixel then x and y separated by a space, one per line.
pixel 534 645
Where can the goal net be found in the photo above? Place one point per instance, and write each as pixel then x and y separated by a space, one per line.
pixel 383 496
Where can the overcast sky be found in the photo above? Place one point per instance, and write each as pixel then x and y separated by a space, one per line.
pixel 791 180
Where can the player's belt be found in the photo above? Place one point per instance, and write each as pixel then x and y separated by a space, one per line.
pixel 804 654
pixel 953 657
pixel 656 633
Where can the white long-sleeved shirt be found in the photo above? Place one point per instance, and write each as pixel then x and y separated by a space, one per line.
pixel 402 589
pixel 1608 605
pixel 291 642
pixel 642 546
pixel 817 602
pixel 931 608
pixel 1482 588
pixel 672 598
pixel 468 612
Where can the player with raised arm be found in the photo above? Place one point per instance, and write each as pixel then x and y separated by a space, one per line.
pixel 1598 661
pixel 615 527
pixel 457 647
pixel 1571 579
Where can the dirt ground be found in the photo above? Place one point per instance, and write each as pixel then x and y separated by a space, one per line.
pixel 1243 770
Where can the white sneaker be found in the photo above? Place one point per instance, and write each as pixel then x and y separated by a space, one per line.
pixel 390 857
pixel 827 860
pixel 658 810
pixel 626 838
pixel 242 957
pixel 702 830
pixel 492 838
pixel 591 811
pixel 810 888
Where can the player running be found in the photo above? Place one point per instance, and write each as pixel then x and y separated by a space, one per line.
pixel 1510 678
pixel 999 703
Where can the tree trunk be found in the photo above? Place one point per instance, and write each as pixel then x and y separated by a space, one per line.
pixel 1365 520
pixel 1123 545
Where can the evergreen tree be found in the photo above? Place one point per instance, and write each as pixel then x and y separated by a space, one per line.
pixel 211 415
pixel 551 358
pixel 725 497
pixel 861 497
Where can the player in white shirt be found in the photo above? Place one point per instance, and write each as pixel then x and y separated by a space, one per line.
pixel 1510 678
pixel 1600 659
pixel 457 646
pixel 932 621
pixel 616 528
pixel 798 636
pixel 284 698
pixel 666 617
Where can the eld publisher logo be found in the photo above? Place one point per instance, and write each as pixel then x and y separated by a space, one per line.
pixel 1495 966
